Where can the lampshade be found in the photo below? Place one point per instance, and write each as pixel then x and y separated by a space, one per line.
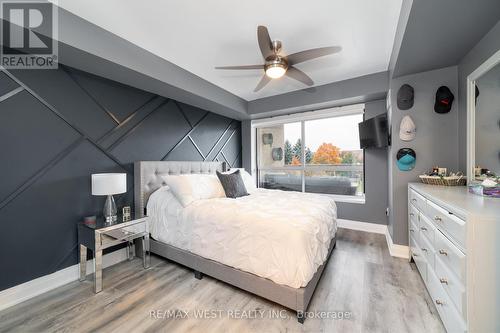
pixel 109 183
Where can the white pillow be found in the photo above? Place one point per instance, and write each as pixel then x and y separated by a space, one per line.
pixel 189 188
pixel 247 179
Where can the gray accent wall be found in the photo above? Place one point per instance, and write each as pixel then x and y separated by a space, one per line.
pixel 246 148
pixel 376 178
pixel 484 49
pixel 57 127
pixel 436 142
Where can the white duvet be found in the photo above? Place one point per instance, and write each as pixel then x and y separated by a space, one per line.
pixel 278 235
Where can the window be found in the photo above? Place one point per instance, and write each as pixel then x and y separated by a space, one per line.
pixel 316 152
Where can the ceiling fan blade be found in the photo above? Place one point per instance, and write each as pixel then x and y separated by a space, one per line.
pixel 262 83
pixel 241 67
pixel 299 75
pixel 296 58
pixel 265 44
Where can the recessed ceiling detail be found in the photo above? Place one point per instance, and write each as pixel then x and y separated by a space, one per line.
pixel 200 35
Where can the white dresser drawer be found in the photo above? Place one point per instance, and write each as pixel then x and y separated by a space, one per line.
pixel 413 213
pixel 414 244
pixel 447 222
pixel 428 229
pixel 417 200
pixel 427 251
pixel 452 286
pixel 451 318
pixel 451 256
pixel 414 230
pixel 419 258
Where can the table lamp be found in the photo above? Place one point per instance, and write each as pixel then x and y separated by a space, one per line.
pixel 109 184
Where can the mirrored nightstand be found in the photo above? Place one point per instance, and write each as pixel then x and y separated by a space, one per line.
pixel 102 235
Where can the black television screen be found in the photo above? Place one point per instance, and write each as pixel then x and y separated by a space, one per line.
pixel 374 132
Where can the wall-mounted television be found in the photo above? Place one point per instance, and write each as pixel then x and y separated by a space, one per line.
pixel 374 132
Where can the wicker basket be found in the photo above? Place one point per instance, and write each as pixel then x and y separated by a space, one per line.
pixel 446 181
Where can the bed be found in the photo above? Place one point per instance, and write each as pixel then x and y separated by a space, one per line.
pixel 245 242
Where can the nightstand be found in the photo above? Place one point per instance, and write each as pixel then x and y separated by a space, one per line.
pixel 102 235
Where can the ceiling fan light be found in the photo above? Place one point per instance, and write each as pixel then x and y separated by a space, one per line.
pixel 275 71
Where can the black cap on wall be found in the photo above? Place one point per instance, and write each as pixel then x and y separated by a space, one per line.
pixel 444 100
pixel 405 97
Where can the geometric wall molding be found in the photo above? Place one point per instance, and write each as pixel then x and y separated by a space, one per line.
pixel 59 126
pixel 6 84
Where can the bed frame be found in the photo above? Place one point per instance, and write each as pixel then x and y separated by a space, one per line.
pixel 148 179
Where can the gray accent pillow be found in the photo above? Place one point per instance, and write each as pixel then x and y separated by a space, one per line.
pixel 233 184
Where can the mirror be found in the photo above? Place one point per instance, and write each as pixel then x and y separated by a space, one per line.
pixel 483 123
pixel 487 124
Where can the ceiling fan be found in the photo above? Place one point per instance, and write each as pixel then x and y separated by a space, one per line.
pixel 277 65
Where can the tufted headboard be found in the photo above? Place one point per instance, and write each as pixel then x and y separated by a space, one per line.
pixel 147 176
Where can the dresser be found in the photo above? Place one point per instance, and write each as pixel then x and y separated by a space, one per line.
pixel 454 240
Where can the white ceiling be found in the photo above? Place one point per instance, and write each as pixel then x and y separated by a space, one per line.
pixel 198 35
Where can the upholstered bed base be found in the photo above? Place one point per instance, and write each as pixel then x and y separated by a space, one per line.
pixel 148 179
pixel 296 299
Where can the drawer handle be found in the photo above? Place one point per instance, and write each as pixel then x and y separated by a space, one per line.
pixel 411 214
pixel 414 200
pixel 443 252
pixel 411 230
pixel 439 302
pixel 423 228
pixel 424 249
pixel 443 280
pixel 437 218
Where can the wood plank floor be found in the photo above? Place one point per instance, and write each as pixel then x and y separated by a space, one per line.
pixel 380 293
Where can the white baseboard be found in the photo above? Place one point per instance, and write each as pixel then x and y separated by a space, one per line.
pixel 399 251
pixel 396 250
pixel 30 289
pixel 362 226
